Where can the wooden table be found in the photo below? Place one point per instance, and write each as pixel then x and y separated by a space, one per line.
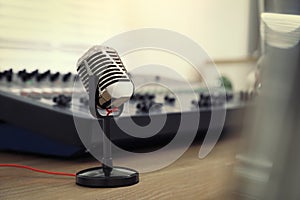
pixel 187 178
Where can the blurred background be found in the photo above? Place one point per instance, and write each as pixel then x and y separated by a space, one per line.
pixel 53 35
pixel 255 44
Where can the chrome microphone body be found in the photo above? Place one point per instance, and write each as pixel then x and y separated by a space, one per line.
pixel 114 86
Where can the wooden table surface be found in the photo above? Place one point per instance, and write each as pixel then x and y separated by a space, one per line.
pixel 187 178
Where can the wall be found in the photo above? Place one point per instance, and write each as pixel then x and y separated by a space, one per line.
pixel 54 34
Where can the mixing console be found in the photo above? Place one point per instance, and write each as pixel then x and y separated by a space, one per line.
pixel 44 104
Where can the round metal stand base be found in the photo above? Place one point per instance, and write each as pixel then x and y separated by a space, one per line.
pixel 119 177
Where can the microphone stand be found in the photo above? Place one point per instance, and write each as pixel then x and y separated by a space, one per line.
pixel 107 175
pixel 107 162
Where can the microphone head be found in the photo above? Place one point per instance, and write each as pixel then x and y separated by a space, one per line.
pixel 114 85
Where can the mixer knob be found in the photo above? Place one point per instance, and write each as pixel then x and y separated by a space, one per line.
pixel 141 97
pixel 22 75
pixel 206 103
pixel 33 73
pixel 25 76
pixel 21 72
pixel 149 96
pixel 194 102
pixel 146 105
pixel 42 76
pixel 54 77
pixel 169 100
pixel 62 100
pixel 84 100
pixel 8 74
pixel 140 106
pixel 66 77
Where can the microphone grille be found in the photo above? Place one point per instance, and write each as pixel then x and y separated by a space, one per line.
pixel 103 62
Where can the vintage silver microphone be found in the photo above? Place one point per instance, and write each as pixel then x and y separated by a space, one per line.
pixel 114 86
pixel 105 78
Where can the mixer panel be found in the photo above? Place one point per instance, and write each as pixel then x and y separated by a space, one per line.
pixel 45 104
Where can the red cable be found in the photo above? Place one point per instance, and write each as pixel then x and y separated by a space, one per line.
pixel 37 170
pixel 109 111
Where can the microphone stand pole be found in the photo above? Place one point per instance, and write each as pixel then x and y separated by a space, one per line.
pixel 107 163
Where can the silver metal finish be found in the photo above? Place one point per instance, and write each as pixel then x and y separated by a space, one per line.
pixel 114 85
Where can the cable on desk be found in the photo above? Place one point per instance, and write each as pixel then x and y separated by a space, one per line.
pixel 37 170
